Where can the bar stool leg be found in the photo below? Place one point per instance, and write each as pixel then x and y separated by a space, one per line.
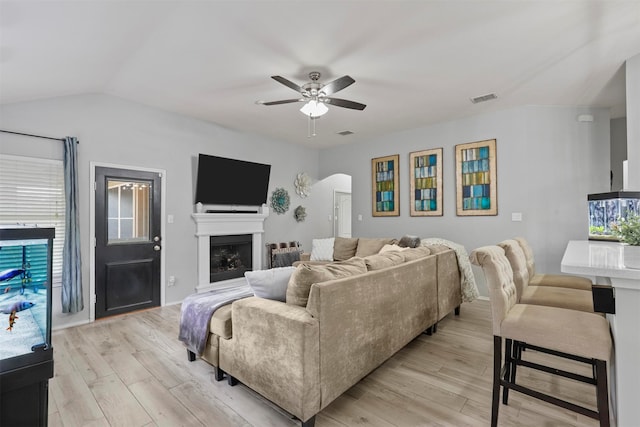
pixel 602 392
pixel 497 366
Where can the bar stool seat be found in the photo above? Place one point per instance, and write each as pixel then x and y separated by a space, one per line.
pixel 569 331
pixel 557 280
pixel 552 296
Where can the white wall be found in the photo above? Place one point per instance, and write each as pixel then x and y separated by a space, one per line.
pixel 113 130
pixel 632 75
pixel 547 163
pixel 618 150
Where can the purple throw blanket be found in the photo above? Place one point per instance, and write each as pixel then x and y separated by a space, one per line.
pixel 196 312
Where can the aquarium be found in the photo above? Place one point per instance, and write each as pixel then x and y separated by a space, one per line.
pixel 606 209
pixel 25 296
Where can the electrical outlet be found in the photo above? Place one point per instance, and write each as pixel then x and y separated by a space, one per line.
pixel 171 281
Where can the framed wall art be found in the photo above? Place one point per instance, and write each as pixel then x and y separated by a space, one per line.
pixel 384 186
pixel 426 182
pixel 476 178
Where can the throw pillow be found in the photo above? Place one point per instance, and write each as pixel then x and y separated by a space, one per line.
pixel 322 249
pixel 389 248
pixel 308 274
pixel 407 241
pixel 385 260
pixel 344 248
pixel 270 284
pixel 370 246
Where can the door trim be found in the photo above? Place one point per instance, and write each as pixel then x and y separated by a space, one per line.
pixel 92 229
pixel 335 217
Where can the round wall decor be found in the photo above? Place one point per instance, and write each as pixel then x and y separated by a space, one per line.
pixel 303 184
pixel 300 213
pixel 280 200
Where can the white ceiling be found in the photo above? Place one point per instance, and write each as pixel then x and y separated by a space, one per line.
pixel 415 62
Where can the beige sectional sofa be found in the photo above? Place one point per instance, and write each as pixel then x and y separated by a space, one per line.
pixel 340 321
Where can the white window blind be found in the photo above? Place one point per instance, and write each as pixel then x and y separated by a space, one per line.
pixel 32 193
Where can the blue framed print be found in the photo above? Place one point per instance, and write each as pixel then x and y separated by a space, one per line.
pixel 476 178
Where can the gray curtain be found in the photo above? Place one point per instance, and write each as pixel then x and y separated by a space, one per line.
pixel 72 301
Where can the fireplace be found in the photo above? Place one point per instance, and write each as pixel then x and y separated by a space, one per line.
pixel 230 256
pixel 229 261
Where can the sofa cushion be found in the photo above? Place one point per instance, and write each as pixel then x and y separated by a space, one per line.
pixel 344 248
pixel 407 241
pixel 306 275
pixel 415 253
pixel 220 323
pixel 370 246
pixel 383 260
pixel 270 284
pixel 322 249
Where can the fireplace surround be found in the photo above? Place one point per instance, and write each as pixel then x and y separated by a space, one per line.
pixel 228 224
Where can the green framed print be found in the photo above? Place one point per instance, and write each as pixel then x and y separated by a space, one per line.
pixel 426 182
pixel 384 186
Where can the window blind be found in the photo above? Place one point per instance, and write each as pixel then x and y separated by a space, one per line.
pixel 32 193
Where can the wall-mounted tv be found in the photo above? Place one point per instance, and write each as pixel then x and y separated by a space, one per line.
pixel 223 181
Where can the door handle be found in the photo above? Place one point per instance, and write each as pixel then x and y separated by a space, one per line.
pixel 156 239
pixel 156 248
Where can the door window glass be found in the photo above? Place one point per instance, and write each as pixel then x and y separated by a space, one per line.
pixel 128 213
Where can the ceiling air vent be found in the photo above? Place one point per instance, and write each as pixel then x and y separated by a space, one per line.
pixel 345 133
pixel 484 98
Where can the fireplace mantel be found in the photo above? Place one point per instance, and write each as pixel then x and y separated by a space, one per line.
pixel 225 224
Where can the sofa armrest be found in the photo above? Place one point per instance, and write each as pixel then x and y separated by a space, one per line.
pixel 275 351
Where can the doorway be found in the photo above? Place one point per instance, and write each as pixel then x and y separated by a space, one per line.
pixel 128 240
pixel 342 214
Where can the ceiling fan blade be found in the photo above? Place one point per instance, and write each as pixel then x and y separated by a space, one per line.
pixel 337 84
pixel 284 101
pixel 344 103
pixel 288 83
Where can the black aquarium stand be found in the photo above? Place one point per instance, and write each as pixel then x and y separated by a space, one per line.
pixel 24 394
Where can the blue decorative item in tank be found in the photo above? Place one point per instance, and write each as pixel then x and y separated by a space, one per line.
pixel 606 209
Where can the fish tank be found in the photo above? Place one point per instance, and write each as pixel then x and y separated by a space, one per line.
pixel 26 354
pixel 607 209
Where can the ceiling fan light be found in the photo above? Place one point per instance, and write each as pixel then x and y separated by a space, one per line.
pixel 314 108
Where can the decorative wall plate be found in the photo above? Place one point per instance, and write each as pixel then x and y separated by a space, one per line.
pixel 303 184
pixel 280 200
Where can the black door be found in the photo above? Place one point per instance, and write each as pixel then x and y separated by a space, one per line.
pixel 128 240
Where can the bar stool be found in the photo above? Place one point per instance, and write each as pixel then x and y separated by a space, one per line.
pixel 557 280
pixel 552 296
pixel 536 327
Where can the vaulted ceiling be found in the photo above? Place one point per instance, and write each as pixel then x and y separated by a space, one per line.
pixel 415 63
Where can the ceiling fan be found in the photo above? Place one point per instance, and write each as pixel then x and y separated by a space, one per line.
pixel 315 95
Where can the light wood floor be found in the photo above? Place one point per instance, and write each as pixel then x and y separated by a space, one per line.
pixel 132 371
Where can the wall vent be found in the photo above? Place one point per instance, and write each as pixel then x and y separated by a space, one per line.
pixel 345 133
pixel 483 98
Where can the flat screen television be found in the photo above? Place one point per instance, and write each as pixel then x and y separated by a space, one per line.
pixel 223 181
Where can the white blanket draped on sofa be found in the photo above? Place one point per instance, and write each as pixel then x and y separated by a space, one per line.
pixel 468 281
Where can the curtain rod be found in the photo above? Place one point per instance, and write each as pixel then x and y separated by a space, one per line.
pixel 35 136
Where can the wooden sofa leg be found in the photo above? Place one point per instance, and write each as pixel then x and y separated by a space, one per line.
pixel 219 373
pixel 435 327
pixel 457 311
pixel 310 422
pixel 427 331
pixel 191 356
pixel 231 380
